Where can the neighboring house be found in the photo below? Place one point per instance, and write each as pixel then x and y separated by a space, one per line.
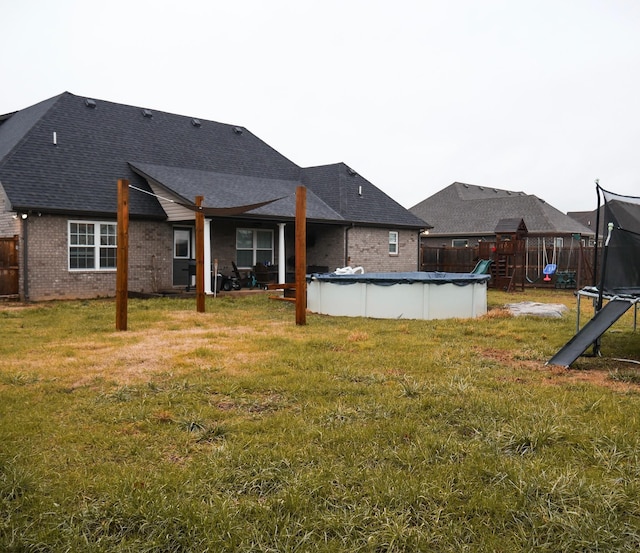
pixel 590 219
pixel 463 215
pixel 60 161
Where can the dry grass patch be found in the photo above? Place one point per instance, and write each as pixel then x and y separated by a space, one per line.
pixel 236 430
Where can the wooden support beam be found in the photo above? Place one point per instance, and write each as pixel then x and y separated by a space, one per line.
pixel 122 255
pixel 200 303
pixel 301 255
pixel 281 286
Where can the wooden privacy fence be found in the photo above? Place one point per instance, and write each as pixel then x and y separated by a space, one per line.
pixel 577 261
pixel 9 266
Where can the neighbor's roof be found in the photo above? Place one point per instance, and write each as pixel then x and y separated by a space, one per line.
pixel 589 219
pixel 466 210
pixel 65 155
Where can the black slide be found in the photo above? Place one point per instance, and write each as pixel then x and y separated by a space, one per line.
pixel 590 332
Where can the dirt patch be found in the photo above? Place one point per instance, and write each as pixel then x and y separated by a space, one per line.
pixel 597 374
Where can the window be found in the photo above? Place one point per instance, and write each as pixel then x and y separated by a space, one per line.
pixel 92 246
pixel 558 241
pixel 182 243
pixel 253 246
pixel 459 243
pixel 393 242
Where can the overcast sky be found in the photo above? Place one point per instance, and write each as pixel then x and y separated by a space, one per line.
pixel 541 96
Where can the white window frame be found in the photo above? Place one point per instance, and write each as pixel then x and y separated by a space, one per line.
pixel 454 245
pixel 254 248
pixel 394 242
pixel 189 242
pixel 95 240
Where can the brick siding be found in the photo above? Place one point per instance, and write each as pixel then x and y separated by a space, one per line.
pixel 50 278
pixel 151 255
pixel 369 248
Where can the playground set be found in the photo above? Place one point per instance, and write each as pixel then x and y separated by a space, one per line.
pixel 619 286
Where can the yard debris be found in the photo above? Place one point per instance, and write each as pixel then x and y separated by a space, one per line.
pixel 552 310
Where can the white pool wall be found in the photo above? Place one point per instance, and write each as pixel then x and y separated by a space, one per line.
pixel 415 300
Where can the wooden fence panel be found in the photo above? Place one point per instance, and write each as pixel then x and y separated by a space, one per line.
pixel 8 266
pixel 577 261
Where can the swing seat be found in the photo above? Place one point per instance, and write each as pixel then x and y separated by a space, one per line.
pixel 566 279
pixel 548 271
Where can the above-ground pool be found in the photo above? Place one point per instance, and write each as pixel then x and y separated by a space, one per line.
pixel 417 295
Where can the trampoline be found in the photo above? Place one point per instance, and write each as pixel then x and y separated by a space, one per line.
pixel 619 284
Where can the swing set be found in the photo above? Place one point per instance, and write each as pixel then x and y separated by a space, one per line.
pixel 550 266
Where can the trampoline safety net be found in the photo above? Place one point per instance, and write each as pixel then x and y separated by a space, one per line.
pixel 622 266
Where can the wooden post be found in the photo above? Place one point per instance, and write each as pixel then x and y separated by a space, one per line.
pixel 301 255
pixel 200 256
pixel 122 255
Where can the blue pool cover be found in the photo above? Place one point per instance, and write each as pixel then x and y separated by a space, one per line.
pixel 388 279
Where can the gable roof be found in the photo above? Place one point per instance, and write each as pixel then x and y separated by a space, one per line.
pixel 510 225
pixel 463 209
pixel 64 155
pixel 356 198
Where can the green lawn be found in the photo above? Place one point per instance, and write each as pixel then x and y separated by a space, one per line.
pixel 236 430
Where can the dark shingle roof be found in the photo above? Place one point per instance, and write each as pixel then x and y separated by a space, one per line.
pixel 589 219
pixel 465 209
pixel 510 225
pixel 79 173
pixel 356 198
pixel 227 190
pixel 99 142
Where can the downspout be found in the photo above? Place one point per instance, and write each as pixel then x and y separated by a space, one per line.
pixel 346 244
pixel 25 256
pixel 419 267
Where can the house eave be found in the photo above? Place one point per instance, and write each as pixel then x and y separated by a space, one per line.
pixel 75 213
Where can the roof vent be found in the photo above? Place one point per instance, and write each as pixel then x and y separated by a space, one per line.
pixel 351 172
pixel 495 190
pixel 466 185
pixel 147 113
pixel 90 103
pixel 480 188
pixel 237 130
pixel 196 122
pixel 508 192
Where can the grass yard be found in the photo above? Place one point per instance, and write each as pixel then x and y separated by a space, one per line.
pixel 236 430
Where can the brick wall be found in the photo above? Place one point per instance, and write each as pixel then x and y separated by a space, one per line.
pixel 369 248
pixel 151 255
pixel 325 247
pixel 223 244
pixel 150 251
